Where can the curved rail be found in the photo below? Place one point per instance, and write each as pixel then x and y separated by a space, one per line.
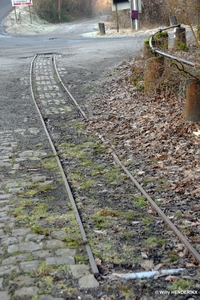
pixel 155 50
pixel 95 270
pixel 72 200
pixel 180 236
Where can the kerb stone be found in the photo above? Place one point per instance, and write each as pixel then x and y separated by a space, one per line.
pixel 24 247
pixel 60 260
pixel 8 270
pixel 26 291
pixel 29 265
pixel 4 296
pixel 54 244
pixel 88 282
pixel 79 271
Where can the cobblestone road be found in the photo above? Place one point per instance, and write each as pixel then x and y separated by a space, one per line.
pixel 33 233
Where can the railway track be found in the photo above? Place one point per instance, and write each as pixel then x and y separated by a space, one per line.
pixel 115 218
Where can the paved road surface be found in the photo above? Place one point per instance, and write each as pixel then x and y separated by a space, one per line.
pixel 5 8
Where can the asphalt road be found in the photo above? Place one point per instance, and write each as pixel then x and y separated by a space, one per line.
pixel 69 39
pixel 5 8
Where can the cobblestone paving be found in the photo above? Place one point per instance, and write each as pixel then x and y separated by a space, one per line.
pixel 49 93
pixel 35 212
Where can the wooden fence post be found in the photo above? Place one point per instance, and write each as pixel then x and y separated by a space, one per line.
pixel 154 68
pixel 180 39
pixel 192 110
pixel 102 28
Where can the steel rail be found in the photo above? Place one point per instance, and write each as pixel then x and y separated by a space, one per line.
pixel 67 91
pixel 176 231
pixel 155 50
pixel 155 206
pixel 72 200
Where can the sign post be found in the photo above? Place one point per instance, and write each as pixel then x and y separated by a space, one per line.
pixel 21 2
pixel 136 8
pixel 119 5
pixel 18 3
pixel 117 17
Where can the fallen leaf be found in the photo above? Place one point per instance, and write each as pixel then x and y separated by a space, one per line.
pixel 197 133
pixel 144 255
pixel 158 267
pixel 172 278
pixel 98 261
pixel 147 265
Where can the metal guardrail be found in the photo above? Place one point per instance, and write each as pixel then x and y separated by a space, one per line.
pixel 155 50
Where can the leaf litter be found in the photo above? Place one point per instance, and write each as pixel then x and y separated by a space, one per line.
pixel 153 140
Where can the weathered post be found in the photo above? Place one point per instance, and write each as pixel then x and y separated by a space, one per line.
pixel 15 14
pixel 102 28
pixel 198 32
pixel 173 20
pixel 160 40
pixel 154 68
pixel 192 110
pixel 147 51
pixel 180 39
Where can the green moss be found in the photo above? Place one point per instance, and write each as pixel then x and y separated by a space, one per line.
pixel 43 269
pixel 140 201
pixel 49 163
pixel 100 222
pixel 36 297
pixel 86 163
pixel 87 184
pixel 180 284
pixel 129 215
pixel 198 32
pixel 36 188
pixel 81 258
pixel 39 230
pixel 178 214
pixel 147 221
pixel 128 234
pixel 181 46
pixel 23 218
pixel 173 256
pixel 140 87
pixel 154 241
pixel 146 41
pixel 48 281
pixel 160 39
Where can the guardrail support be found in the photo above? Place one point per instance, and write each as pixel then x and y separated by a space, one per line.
pixel 198 32
pixel 102 28
pixel 147 51
pixel 173 20
pixel 180 39
pixel 192 110
pixel 154 68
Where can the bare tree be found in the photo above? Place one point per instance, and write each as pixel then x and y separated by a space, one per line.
pixel 62 10
pixel 187 12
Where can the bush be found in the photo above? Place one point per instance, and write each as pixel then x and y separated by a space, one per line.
pixel 62 10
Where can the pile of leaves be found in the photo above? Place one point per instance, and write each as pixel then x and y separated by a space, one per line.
pixel 152 137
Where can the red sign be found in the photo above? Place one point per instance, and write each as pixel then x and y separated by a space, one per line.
pixel 21 2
